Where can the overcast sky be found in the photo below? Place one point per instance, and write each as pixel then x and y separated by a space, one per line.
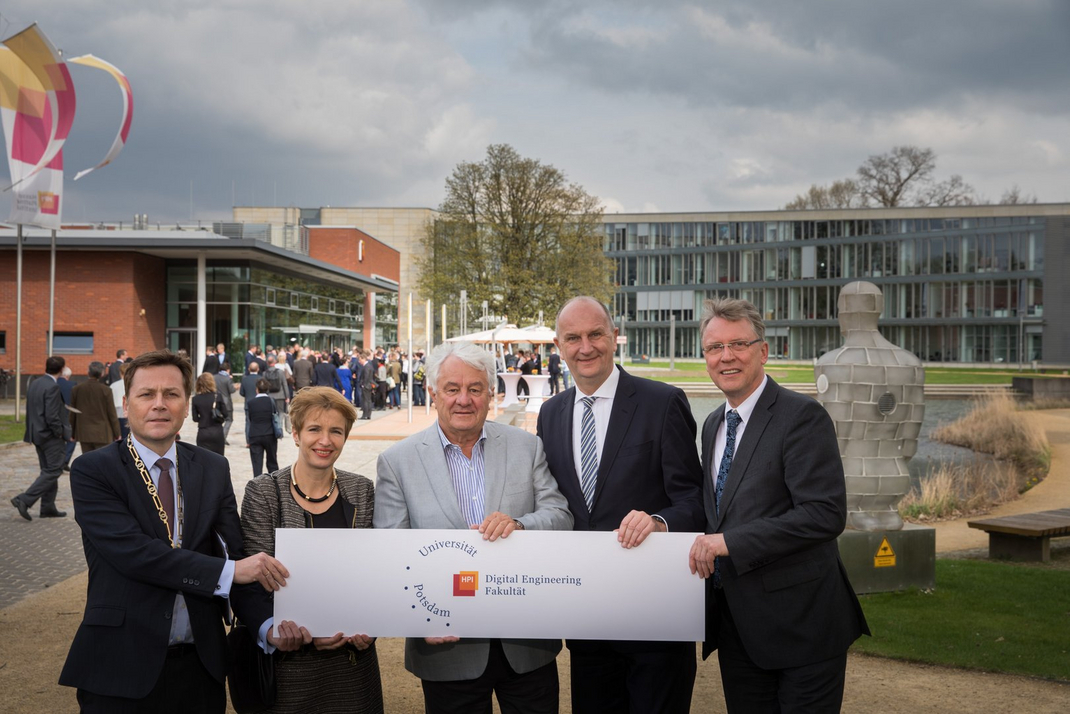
pixel 652 105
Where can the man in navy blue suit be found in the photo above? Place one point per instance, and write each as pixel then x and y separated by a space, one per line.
pixel 638 474
pixel 161 534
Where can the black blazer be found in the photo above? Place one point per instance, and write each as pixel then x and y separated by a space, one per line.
pixel 46 414
pixel 649 462
pixel 784 503
pixel 134 573
pixel 202 409
pixel 259 412
pixel 211 364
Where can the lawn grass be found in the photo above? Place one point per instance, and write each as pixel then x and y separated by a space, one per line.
pixel 982 615
pixel 9 430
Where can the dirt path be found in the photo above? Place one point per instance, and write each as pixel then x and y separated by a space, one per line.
pixel 35 635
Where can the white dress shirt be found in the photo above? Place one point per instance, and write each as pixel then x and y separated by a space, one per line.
pixel 602 408
pixel 745 410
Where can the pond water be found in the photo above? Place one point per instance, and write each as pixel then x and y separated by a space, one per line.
pixel 931 454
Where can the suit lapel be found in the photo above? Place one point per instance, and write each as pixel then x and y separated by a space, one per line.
pixel 752 434
pixel 437 473
pixel 494 466
pixel 140 493
pixel 709 440
pixel 624 408
pixel 191 478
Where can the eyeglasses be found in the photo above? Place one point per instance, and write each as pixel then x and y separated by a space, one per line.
pixel 736 346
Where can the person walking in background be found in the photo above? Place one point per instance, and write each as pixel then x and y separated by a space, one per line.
pixel 49 430
pixel 113 369
pixel 260 430
pixel 66 387
pixel 393 376
pixel 224 386
pixel 553 366
pixel 211 361
pixel 326 374
pixel 367 385
pixel 209 431
pixel 118 391
pixel 249 380
pixel 277 388
pixel 345 376
pixel 304 371
pixel 94 422
pixel 418 377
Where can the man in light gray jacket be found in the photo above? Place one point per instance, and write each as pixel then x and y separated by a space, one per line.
pixel 466 472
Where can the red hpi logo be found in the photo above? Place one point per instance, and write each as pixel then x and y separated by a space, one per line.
pixel 465 583
pixel 48 202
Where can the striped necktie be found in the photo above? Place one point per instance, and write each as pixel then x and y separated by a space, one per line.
pixel 166 491
pixel 732 421
pixel 588 452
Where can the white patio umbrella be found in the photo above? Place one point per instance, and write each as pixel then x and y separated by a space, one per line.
pixel 482 337
pixel 534 334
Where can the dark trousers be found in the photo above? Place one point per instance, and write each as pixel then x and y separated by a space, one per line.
pixel 260 445
pixel 184 686
pixel 380 395
pixel 367 402
pixel 50 459
pixel 522 388
pixel 417 394
pixel 816 687
pixel 632 677
pixel 70 452
pixel 535 692
pixel 555 383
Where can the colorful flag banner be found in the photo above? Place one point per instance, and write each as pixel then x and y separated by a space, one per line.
pixel 27 120
pixel 128 108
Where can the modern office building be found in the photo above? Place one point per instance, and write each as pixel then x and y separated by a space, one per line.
pixel 141 288
pixel 961 284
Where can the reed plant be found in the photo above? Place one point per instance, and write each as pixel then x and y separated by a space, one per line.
pixel 996 426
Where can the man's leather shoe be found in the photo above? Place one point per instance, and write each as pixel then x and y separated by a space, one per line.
pixel 21 507
pixel 54 513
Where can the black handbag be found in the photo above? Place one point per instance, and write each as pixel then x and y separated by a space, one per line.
pixel 217 414
pixel 250 670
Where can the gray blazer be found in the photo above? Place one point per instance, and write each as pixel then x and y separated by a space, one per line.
pixel 414 490
pixel 46 415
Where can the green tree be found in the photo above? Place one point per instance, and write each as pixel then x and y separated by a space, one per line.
pixel 514 232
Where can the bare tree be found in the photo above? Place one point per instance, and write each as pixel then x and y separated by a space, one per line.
pixel 1014 195
pixel 953 192
pixel 838 194
pixel 892 179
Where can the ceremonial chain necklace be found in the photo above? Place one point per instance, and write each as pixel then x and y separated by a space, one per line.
pixel 321 499
pixel 175 542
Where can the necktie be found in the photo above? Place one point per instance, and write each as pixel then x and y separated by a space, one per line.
pixel 732 420
pixel 166 490
pixel 588 452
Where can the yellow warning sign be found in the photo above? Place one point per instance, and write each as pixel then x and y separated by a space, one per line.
pixel 885 557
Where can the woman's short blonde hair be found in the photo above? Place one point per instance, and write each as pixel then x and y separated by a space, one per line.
pixel 205 383
pixel 313 399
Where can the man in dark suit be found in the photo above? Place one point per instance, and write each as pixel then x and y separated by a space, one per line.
pixel 553 366
pixel 94 422
pixel 260 429
pixel 326 374
pixel 779 610
pixel 224 385
pixel 304 371
pixel 211 361
pixel 113 368
pixel 622 450
pixel 159 520
pixel 49 431
pixel 367 385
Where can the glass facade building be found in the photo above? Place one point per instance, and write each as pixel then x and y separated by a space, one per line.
pixel 964 284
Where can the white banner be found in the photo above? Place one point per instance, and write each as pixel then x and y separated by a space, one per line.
pixel 533 584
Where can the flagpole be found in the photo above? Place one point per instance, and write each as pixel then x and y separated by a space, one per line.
pixel 18 322
pixel 411 361
pixel 427 355
pixel 52 293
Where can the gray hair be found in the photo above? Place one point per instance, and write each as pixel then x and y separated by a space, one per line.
pixel 469 353
pixel 732 310
pixel 586 298
pixel 96 370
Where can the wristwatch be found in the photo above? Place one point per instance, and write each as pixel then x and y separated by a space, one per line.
pixel 518 524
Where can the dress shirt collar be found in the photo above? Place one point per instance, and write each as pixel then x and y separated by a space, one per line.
pixel 747 407
pixel 447 443
pixel 150 457
pixel 606 390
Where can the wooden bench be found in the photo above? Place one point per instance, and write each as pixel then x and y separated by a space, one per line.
pixel 1026 536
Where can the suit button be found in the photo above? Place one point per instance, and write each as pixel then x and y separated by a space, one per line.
pixel 185 581
pixel 167 615
pixel 196 582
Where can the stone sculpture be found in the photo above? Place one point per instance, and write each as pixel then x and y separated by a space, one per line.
pixel 874 392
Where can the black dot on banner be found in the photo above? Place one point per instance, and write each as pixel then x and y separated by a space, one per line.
pixel 429 619
pixel 447 624
pixel 413 607
pixel 406 587
pixel 407 568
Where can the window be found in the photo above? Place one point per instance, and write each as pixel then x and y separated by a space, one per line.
pixel 72 343
pixel 270 297
pixel 3 342
pixel 294 300
pixel 315 304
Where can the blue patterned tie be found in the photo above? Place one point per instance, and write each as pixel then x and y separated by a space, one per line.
pixel 732 420
pixel 588 452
